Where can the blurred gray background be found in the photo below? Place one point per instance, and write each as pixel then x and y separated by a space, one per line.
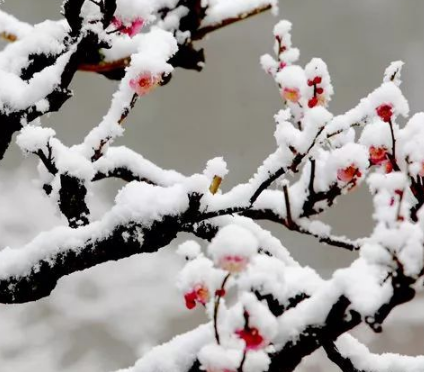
pixel 105 318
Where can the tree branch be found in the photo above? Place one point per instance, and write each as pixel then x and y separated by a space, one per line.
pixel 351 356
pixel 345 364
pixel 80 252
pixel 202 32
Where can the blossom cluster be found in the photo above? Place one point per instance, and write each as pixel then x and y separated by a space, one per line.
pixel 230 282
pixel 244 291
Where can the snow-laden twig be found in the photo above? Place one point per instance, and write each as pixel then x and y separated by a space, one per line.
pixel 351 356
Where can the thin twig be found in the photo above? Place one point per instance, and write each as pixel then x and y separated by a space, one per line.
pixel 288 209
pixel 47 161
pixel 202 32
pixel 240 368
pixel 312 177
pixel 216 307
pixel 392 133
pixel 99 151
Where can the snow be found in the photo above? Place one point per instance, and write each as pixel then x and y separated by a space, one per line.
pixel 364 360
pixel 282 29
pixel 256 361
pixel 350 154
pixel 377 134
pixel 10 26
pixel 390 93
pixel 69 161
pixel 266 275
pixel 292 77
pixel 393 73
pixel 136 202
pixel 177 355
pixel 267 242
pixel 33 138
pixel 19 94
pixel 217 358
pixel 129 10
pixel 411 144
pixel 269 64
pixel 219 10
pixel 189 250
pixel 363 285
pixel 216 167
pixel 46 37
pixel 122 157
pixel 147 203
pixel 233 240
pixel 199 271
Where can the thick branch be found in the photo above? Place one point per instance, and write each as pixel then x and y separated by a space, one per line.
pixel 123 241
pixel 351 356
pixel 345 364
pixel 12 122
pixel 72 203
pixel 340 319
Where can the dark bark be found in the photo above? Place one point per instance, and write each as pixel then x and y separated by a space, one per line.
pixel 345 364
pixel 12 122
pixel 121 243
pixel 311 339
pixel 72 13
pixel 72 203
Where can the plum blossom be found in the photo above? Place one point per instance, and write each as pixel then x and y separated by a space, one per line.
pixel 348 174
pixel 421 172
pixel 144 83
pixel 131 29
pixel 199 294
pixel 197 280
pixel 378 155
pixel 291 94
pixel 232 248
pixel 252 338
pixel 313 102
pixel 385 112
pixel 233 263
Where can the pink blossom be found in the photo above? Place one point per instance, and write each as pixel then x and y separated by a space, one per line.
pixel 282 65
pixel 132 29
pixel 144 83
pixel 387 166
pixel 291 94
pixel 378 155
pixel 385 112
pixel 200 294
pixel 348 174
pixel 252 338
pixel 233 264
pixel 421 172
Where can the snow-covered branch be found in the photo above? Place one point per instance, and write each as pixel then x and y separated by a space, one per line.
pixel 351 356
pixel 266 311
